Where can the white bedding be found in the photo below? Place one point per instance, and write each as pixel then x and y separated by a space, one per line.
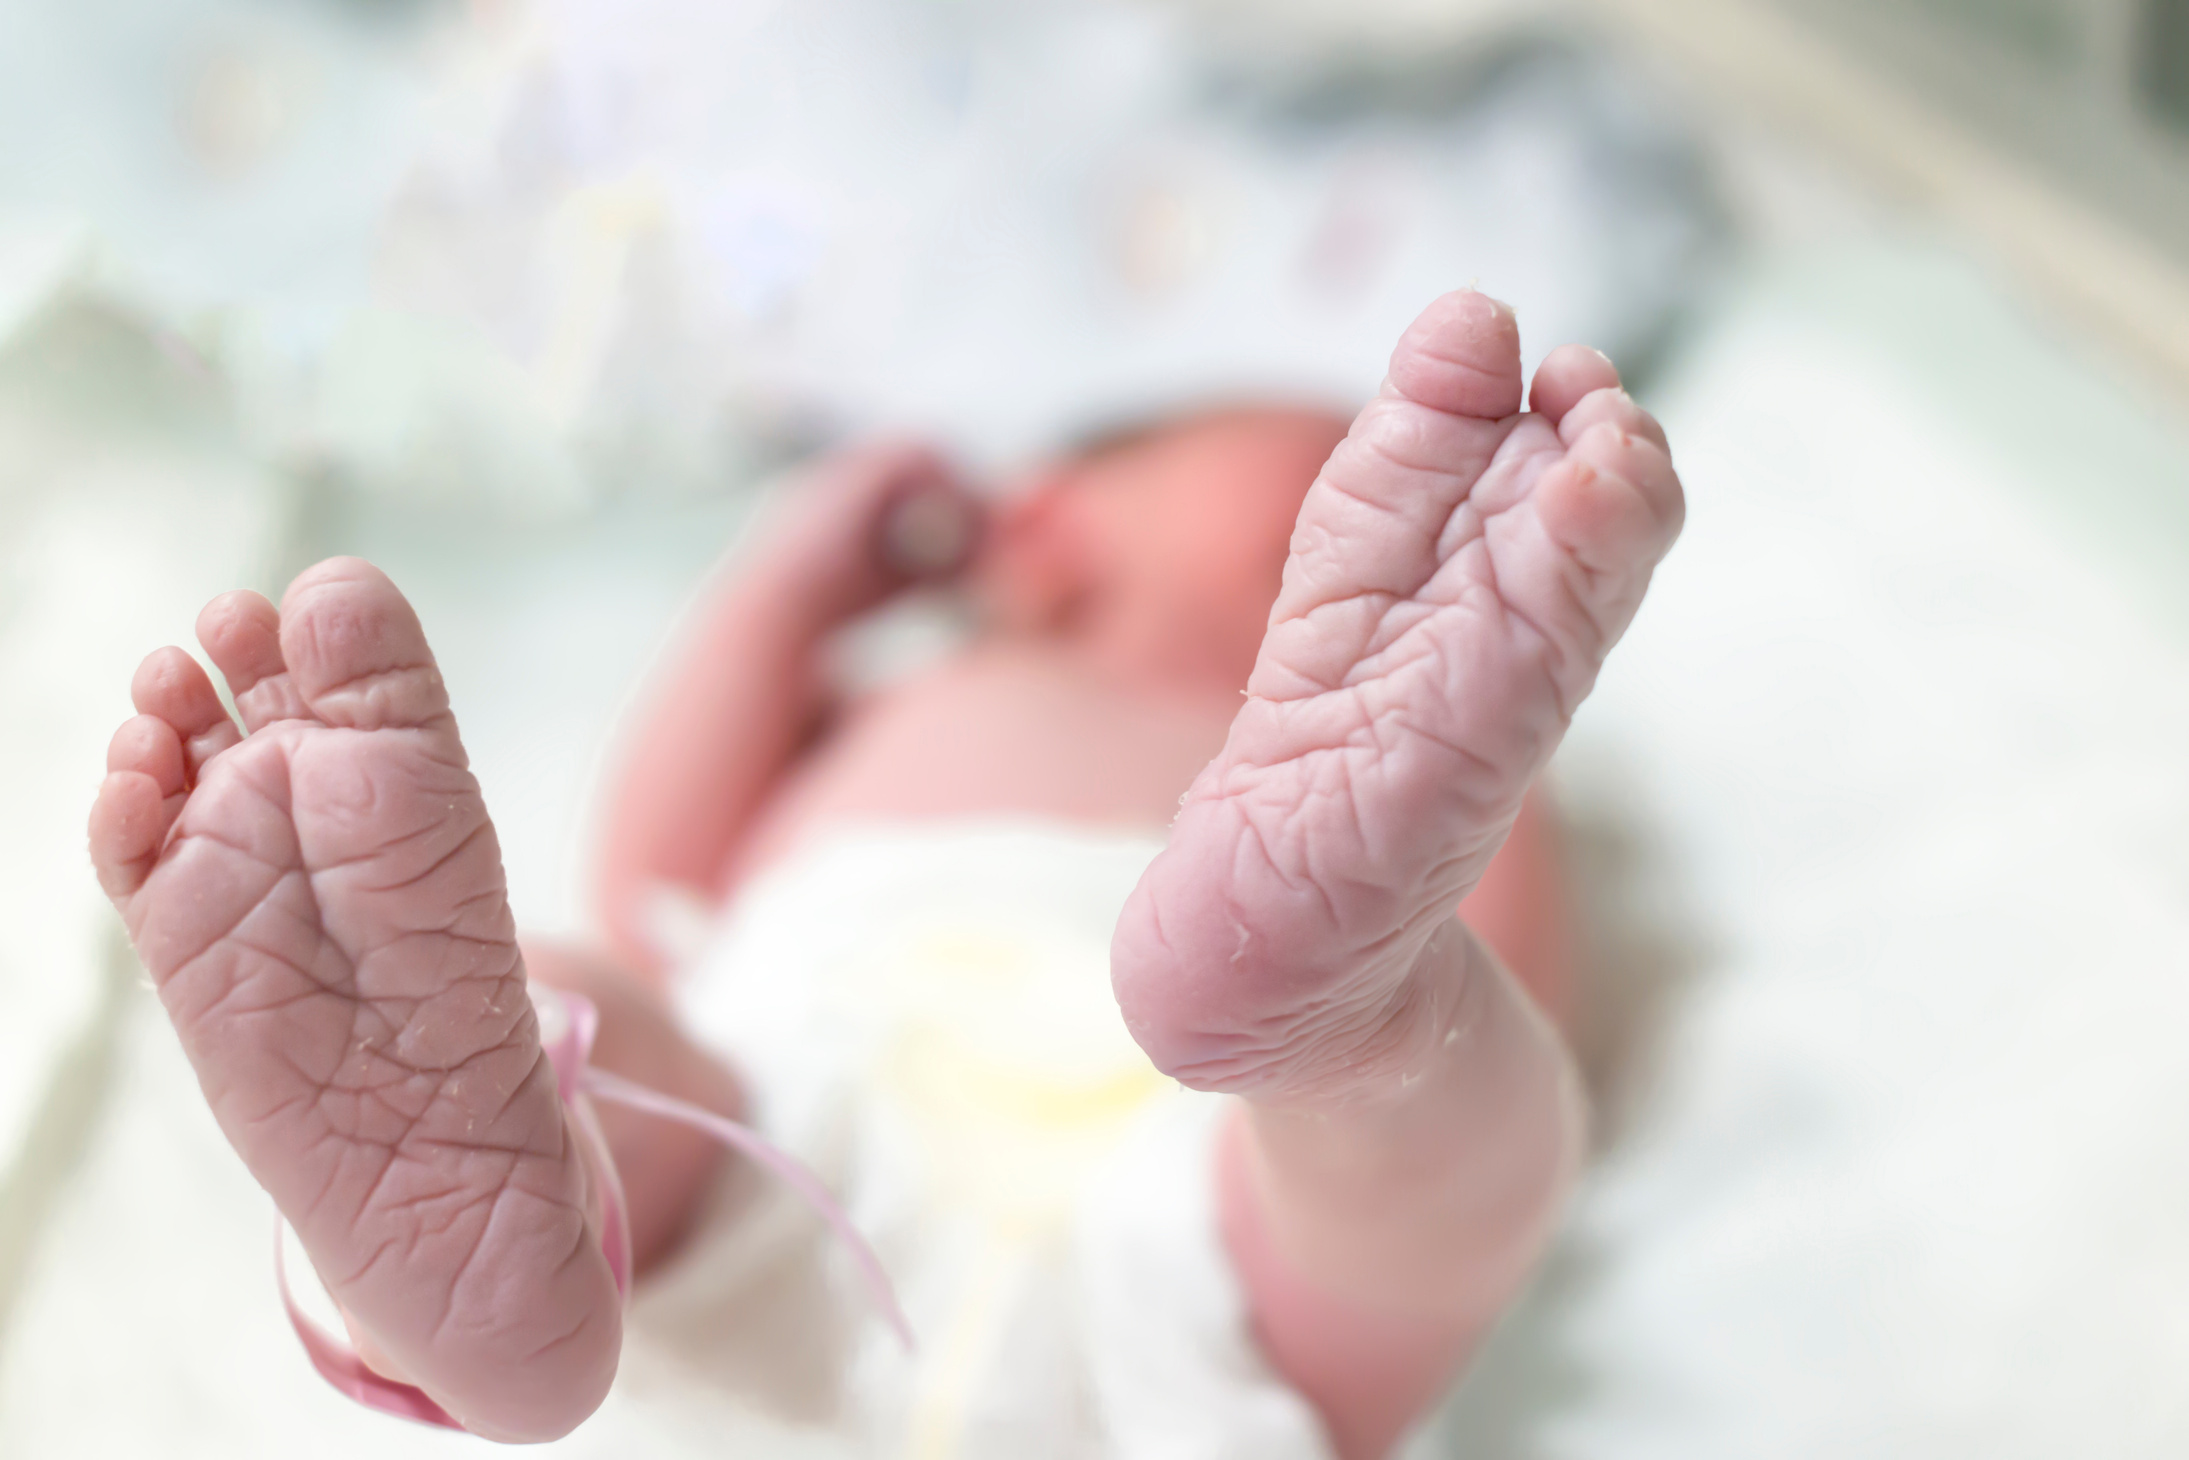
pixel 1889 779
pixel 1884 811
pixel 1910 769
pixel 110 534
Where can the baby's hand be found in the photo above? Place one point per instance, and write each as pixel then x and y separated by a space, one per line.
pixel 870 522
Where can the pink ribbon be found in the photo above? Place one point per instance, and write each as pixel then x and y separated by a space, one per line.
pixel 568 1049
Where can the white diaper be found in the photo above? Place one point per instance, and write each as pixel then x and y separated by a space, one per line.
pixel 923 1014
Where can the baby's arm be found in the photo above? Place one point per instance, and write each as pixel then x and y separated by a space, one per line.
pixel 743 693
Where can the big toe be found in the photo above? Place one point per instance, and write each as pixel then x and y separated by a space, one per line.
pixel 1462 356
pixel 355 650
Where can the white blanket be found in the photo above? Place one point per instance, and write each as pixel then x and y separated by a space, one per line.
pixel 1890 774
pixel 1892 778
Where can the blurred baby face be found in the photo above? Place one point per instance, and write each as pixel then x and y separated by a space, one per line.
pixel 1159 554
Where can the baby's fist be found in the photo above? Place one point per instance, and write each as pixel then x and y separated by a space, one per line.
pixel 874 520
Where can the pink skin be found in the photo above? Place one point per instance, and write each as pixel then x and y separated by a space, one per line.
pixel 745 694
pixel 321 905
pixel 1458 574
pixel 321 902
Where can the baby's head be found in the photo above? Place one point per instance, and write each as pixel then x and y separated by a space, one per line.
pixel 1158 550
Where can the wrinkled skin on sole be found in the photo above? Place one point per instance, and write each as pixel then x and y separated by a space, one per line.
pixel 1458 574
pixel 321 905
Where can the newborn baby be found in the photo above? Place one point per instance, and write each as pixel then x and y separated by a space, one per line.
pixel 319 897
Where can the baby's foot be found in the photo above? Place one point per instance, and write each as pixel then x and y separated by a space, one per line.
pixel 321 905
pixel 1458 575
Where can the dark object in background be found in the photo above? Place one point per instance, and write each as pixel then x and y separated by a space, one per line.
pixel 2093 94
pixel 2164 63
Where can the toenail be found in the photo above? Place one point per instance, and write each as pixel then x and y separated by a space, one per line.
pixel 1474 287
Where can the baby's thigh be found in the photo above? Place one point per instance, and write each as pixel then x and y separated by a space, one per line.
pixel 664 1167
pixel 1522 906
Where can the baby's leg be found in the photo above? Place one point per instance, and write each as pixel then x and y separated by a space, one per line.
pixel 319 899
pixel 665 1166
pixel 1411 1121
pixel 1520 910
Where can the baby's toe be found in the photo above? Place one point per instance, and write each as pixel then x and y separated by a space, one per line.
pixel 1569 375
pixel 171 685
pixel 241 633
pixel 150 746
pixel 146 784
pixel 1614 503
pixel 129 821
pixel 1611 407
pixel 1462 356
pixel 355 650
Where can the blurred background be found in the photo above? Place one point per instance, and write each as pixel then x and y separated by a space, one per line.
pixel 1882 815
